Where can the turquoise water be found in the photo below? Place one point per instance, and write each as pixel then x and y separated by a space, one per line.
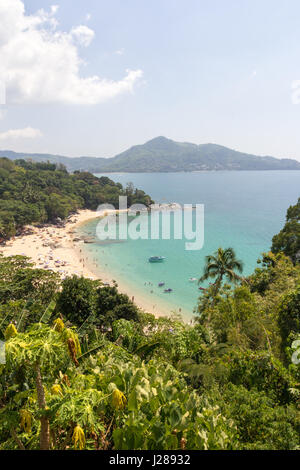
pixel 242 210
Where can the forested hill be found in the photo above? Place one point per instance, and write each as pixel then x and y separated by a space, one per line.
pixel 91 164
pixel 43 192
pixel 165 155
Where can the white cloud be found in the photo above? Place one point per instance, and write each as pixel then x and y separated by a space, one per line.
pixel 2 93
pixel 41 64
pixel 120 51
pixel 26 133
pixel 83 35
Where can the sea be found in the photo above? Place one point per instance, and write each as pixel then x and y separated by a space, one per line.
pixel 242 210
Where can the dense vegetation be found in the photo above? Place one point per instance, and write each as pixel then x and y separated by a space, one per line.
pixel 33 193
pixel 86 369
pixel 161 154
pixel 288 239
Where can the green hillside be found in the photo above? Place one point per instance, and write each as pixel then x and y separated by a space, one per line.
pixel 33 193
pixel 165 155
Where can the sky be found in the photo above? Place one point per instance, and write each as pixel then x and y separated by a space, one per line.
pixel 94 77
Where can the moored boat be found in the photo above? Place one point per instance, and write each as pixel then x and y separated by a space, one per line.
pixel 156 259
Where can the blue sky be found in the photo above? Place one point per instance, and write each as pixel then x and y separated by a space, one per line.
pixel 200 71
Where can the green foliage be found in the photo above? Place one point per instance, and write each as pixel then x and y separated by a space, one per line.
pixel 128 332
pixel 24 291
pixel 261 371
pixel 261 423
pixel 39 344
pixel 33 193
pixel 288 239
pixel 160 412
pixel 85 303
pixel 289 315
pixel 276 275
pixel 111 306
pixel 76 301
pixel 223 263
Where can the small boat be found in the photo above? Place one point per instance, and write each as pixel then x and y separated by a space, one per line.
pixel 192 279
pixel 161 284
pixel 156 259
pixel 168 290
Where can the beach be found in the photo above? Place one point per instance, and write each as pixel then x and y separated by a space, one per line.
pixel 52 247
pixel 59 249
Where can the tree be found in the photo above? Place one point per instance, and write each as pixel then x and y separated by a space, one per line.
pixel 24 291
pixel 223 263
pixel 128 311
pixel 289 315
pixel 41 192
pixel 40 352
pixel 129 191
pixel 7 225
pixel 262 424
pixel 77 299
pixel 58 206
pixel 288 239
pixel 111 306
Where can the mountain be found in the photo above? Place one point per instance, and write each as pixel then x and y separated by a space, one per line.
pixel 91 164
pixel 161 154
pixel 165 155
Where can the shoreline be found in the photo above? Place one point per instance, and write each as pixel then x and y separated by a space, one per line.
pixel 51 243
pixel 53 247
pixel 142 300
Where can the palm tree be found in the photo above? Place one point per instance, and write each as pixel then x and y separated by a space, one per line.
pixel 222 263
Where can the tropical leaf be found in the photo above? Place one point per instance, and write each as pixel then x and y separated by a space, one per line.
pixel 146 349
pixel 48 312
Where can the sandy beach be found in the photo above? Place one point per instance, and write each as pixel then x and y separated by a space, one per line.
pixel 57 248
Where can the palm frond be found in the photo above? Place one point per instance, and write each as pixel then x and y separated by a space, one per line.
pixel 48 312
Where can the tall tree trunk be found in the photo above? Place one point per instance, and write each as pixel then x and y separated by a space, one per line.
pixel 45 428
pixel 217 287
pixel 18 441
